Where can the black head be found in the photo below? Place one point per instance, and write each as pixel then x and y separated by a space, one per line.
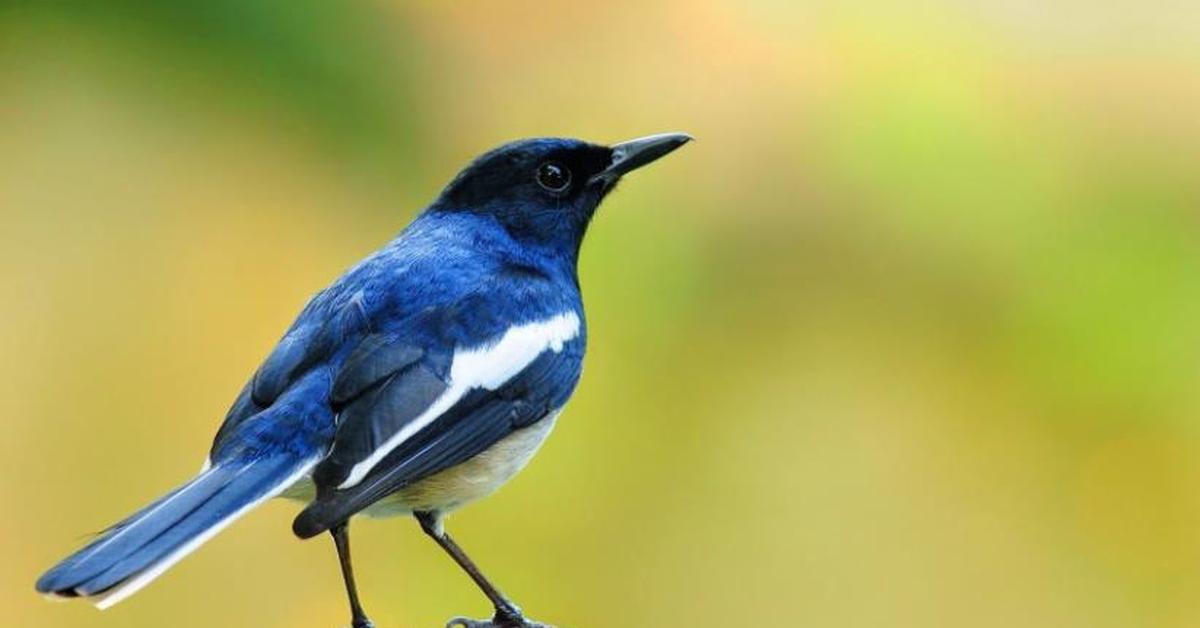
pixel 544 191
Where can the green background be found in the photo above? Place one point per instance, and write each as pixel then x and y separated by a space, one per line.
pixel 910 335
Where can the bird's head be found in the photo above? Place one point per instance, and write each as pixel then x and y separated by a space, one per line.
pixel 544 191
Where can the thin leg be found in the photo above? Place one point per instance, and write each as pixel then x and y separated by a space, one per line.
pixel 507 613
pixel 341 538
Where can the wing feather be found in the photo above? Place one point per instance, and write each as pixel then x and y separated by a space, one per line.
pixel 477 420
pixel 371 419
pixel 377 357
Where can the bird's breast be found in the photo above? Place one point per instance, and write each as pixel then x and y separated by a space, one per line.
pixel 478 477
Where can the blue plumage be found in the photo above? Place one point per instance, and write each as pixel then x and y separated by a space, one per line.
pixel 464 332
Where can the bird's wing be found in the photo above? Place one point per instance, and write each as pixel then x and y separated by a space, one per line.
pixel 325 325
pixel 410 407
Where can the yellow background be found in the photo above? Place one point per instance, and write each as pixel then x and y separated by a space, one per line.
pixel 910 336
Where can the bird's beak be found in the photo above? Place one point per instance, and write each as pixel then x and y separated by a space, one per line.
pixel 634 154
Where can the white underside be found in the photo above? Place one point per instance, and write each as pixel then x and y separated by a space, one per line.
pixel 457 486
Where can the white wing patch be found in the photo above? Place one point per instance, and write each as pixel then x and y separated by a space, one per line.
pixel 487 366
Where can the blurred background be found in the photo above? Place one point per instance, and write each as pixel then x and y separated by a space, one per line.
pixel 909 337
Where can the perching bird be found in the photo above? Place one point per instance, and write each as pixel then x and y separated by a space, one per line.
pixel 422 379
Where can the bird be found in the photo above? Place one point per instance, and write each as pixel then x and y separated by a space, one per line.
pixel 422 379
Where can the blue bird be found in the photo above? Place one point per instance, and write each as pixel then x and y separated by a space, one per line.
pixel 422 379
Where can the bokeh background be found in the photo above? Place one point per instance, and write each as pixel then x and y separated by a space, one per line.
pixel 909 337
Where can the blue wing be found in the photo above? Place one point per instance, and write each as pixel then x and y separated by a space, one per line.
pixel 475 422
pixel 393 388
pixel 311 345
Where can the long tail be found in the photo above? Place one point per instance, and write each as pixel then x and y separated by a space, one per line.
pixel 134 552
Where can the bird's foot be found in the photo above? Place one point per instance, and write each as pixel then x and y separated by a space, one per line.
pixel 504 618
pixel 466 622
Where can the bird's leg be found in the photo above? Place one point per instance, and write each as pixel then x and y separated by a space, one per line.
pixel 508 615
pixel 341 538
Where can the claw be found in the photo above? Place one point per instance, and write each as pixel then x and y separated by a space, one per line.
pixel 521 622
pixel 464 622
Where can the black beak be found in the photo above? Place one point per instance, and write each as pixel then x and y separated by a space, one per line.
pixel 634 154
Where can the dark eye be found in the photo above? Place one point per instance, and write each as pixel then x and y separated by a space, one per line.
pixel 554 177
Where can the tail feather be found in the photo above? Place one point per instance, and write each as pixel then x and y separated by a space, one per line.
pixel 133 553
pixel 126 536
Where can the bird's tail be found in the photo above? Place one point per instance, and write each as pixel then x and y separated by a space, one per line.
pixel 134 552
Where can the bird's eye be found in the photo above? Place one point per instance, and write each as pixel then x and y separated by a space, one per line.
pixel 554 177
